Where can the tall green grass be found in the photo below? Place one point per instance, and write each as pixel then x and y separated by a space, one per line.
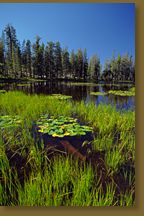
pixel 64 180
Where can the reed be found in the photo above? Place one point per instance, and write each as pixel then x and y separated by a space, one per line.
pixel 64 180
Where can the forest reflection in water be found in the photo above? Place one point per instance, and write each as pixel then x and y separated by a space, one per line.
pixel 78 91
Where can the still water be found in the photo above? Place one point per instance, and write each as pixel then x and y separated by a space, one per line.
pixel 78 91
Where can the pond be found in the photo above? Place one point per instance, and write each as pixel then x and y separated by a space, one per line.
pixel 78 91
pixel 38 145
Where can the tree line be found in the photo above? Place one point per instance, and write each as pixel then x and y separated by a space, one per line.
pixel 51 61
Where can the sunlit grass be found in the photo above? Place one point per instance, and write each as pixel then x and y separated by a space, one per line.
pixel 63 180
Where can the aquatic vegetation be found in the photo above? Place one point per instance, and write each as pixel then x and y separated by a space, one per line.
pixel 129 93
pixel 61 126
pixel 98 93
pixel 33 177
pixel 98 84
pixel 2 91
pixel 107 199
pixel 61 96
pixel 91 84
pixel 23 84
pixel 127 199
pixel 114 158
pixel 9 121
pixel 132 89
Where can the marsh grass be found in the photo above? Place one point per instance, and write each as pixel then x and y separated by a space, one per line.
pixel 127 199
pixel 28 177
pixel 107 199
pixel 114 158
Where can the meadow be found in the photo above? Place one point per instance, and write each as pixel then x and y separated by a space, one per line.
pixel 33 175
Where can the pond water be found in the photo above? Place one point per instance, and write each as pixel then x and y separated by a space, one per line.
pixel 78 91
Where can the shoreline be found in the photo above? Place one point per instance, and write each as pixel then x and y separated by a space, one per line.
pixel 20 80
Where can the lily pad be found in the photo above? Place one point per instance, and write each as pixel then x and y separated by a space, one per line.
pixel 2 91
pixel 61 96
pixel 61 126
pixel 8 121
pixel 98 93
pixel 129 93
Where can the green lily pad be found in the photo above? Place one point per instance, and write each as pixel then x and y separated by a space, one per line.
pixel 98 93
pixel 61 126
pixel 130 92
pixel 61 96
pixel 3 91
pixel 9 121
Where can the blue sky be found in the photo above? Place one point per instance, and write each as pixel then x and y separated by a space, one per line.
pixel 99 27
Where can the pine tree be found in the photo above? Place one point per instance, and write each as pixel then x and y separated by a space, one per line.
pixel 133 71
pixel 73 65
pixel 58 60
pixel 2 59
pixel 125 67
pixel 23 60
pixel 18 68
pixel 28 58
pixel 47 62
pixel 114 68
pixel 50 61
pixel 38 59
pixel 41 61
pixel 119 72
pixel 65 63
pixel 94 68
pixel 85 65
pixel 36 47
pixel 11 46
pixel 119 69
pixel 107 74
pixel 80 65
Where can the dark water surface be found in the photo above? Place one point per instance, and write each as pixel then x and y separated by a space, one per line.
pixel 78 91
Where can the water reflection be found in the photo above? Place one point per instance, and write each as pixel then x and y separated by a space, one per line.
pixel 77 91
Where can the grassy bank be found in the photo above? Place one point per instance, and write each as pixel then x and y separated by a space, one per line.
pixel 30 176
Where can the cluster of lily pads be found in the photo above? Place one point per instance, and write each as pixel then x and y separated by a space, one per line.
pixel 2 91
pixel 98 93
pixel 122 93
pixel 61 96
pixel 61 126
pixel 130 92
pixel 23 84
pixel 9 121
